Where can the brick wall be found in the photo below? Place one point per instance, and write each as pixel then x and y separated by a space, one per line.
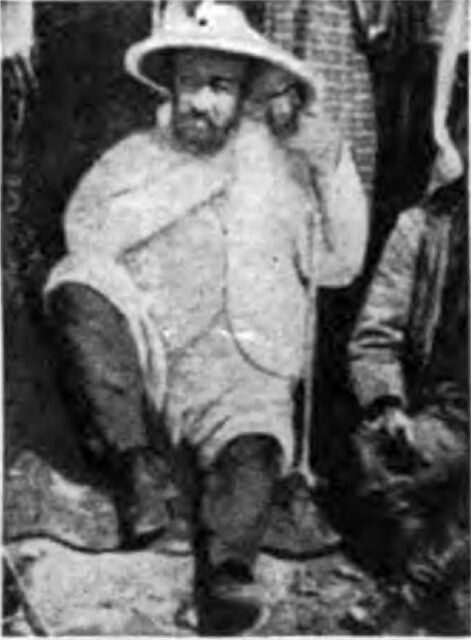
pixel 322 31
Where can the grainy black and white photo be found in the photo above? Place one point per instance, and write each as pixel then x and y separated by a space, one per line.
pixel 235 285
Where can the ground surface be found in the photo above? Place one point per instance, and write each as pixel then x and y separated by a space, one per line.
pixel 148 592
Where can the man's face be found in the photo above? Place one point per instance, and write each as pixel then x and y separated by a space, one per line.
pixel 283 101
pixel 207 98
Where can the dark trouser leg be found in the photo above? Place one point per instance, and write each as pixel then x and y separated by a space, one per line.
pixel 99 368
pixel 232 515
pixel 102 382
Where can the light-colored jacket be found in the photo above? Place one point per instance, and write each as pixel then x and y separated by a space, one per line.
pixel 170 238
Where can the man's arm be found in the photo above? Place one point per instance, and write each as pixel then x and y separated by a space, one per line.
pixel 344 222
pixel 376 348
pixel 108 208
pixel 341 201
pixel 135 190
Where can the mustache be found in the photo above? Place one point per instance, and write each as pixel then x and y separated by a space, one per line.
pixel 193 117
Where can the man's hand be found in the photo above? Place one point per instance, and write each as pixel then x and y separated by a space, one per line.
pixel 383 451
pixel 426 436
pixel 396 424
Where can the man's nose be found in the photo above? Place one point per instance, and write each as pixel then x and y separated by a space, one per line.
pixel 202 99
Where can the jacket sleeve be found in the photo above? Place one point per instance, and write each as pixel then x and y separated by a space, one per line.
pixel 338 213
pixel 376 348
pixel 133 192
pixel 344 223
pixel 105 213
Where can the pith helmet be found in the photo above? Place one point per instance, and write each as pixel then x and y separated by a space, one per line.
pixel 210 25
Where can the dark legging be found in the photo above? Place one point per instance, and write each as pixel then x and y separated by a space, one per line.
pixel 233 507
pixel 99 368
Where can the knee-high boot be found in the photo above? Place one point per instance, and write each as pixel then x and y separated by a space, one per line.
pixel 232 514
pixel 102 382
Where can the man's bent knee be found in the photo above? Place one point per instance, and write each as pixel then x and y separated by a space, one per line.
pixel 98 364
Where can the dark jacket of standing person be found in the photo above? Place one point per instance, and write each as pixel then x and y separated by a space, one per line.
pixel 409 364
pixel 409 348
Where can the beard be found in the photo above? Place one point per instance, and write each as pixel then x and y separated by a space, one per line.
pixel 199 134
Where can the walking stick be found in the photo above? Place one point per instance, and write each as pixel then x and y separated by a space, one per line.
pixel 320 234
pixel 33 618
pixel 303 464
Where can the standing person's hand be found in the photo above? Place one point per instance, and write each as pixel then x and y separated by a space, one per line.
pixel 396 424
pixel 425 436
pixel 383 445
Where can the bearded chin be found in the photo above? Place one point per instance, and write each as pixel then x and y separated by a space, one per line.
pixel 199 134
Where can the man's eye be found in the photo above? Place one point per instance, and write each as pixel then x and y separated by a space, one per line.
pixel 289 90
pixel 222 85
pixel 191 82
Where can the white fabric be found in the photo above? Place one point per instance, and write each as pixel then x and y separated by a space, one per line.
pixel 448 165
pixel 248 208
pixel 17 28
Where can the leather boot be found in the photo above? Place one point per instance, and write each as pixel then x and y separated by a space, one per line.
pixel 235 499
pixel 233 604
pixel 143 489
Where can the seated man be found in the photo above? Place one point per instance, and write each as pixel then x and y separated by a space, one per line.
pixel 184 288
pixel 409 359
